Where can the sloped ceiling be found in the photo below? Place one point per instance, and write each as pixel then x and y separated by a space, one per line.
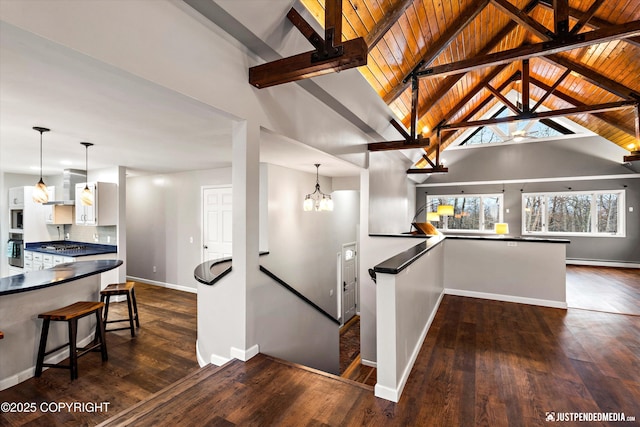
pixel 439 32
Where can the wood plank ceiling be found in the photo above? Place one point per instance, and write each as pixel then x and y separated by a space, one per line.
pixel 401 34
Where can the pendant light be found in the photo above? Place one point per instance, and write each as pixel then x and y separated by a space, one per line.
pixel 317 200
pixel 87 196
pixel 40 193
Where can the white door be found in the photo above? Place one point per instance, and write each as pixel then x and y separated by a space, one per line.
pixel 216 223
pixel 348 281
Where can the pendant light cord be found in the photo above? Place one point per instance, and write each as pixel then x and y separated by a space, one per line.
pixel 40 155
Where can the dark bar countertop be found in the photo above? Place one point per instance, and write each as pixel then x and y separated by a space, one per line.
pixel 70 248
pixel 399 262
pixel 61 273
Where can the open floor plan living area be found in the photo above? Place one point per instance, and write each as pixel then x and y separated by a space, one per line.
pixel 319 213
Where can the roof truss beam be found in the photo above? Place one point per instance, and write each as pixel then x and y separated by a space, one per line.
pixel 595 78
pixel 330 53
pixel 629 29
pixel 587 16
pixel 546 114
pixel 522 18
pixel 607 118
pixel 435 49
pixel 384 25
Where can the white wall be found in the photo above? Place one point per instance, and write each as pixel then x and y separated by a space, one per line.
pixel 164 212
pixel 303 245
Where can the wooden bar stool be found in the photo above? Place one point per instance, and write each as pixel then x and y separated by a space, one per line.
pixel 71 314
pixel 127 289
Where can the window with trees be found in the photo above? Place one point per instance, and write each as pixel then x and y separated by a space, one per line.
pixel 478 212
pixel 595 213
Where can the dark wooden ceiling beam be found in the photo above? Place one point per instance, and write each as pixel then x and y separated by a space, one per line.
pixel 609 106
pixel 551 89
pixel 515 76
pixel 522 18
pixel 503 99
pixel 435 49
pixel 593 23
pixel 415 90
pixel 436 169
pixel 525 85
pixel 388 20
pixel 331 53
pixel 398 145
pixel 450 81
pixel 561 17
pixel 400 129
pixel 605 117
pixel 601 35
pixel 595 78
pixel 587 16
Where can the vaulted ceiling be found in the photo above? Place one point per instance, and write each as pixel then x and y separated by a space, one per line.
pixel 445 41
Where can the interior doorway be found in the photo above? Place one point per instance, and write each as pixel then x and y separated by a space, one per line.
pixel 349 281
pixel 217 214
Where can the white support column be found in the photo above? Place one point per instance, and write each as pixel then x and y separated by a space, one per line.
pixel 223 317
pixel 245 180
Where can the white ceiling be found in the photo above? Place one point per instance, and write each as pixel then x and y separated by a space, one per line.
pixel 132 122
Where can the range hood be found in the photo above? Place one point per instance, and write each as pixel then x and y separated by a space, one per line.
pixel 70 177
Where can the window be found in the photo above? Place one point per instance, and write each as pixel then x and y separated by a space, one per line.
pixel 592 213
pixel 477 212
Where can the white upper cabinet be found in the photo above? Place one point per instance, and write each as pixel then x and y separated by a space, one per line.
pixel 104 210
pixel 16 197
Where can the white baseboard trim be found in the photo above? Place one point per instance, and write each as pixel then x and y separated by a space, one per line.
pixel 244 355
pixel 53 358
pixel 597 263
pixel 506 298
pixel 164 285
pixel 201 360
pixel 391 394
pixel 369 363
pixel 219 360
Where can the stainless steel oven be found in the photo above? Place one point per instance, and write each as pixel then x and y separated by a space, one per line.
pixel 15 252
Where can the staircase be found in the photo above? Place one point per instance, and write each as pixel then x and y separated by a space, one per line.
pixel 263 391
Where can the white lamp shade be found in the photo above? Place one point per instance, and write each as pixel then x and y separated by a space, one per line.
pixel 433 217
pixel 308 204
pixel 445 210
pixel 40 193
pixel 501 228
pixel 86 197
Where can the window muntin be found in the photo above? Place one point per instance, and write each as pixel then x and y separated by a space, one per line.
pixel 478 212
pixel 580 213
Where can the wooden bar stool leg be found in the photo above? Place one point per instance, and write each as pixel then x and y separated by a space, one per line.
pixel 135 306
pixel 100 332
pixel 105 299
pixel 130 308
pixel 43 344
pixel 73 353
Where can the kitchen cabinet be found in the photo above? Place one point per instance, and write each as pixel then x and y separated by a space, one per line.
pixel 34 261
pixel 16 197
pixel 104 210
pixel 57 214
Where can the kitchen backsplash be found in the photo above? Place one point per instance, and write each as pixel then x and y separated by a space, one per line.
pixel 106 235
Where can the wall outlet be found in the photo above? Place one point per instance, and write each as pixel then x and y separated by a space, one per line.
pixel 330 292
pixel 108 239
pixel 630 208
pixel 507 210
pixel 155 269
pixel 191 239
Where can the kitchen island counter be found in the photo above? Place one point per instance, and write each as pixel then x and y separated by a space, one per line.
pixel 57 275
pixel 24 296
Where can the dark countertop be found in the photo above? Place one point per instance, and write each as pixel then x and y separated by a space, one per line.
pixel 57 275
pixel 412 236
pixel 85 249
pixel 506 238
pixel 209 272
pixel 399 262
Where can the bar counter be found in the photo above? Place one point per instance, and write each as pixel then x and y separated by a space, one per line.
pixel 24 296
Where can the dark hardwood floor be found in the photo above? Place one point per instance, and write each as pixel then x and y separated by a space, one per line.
pixel 484 363
pixel 162 352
